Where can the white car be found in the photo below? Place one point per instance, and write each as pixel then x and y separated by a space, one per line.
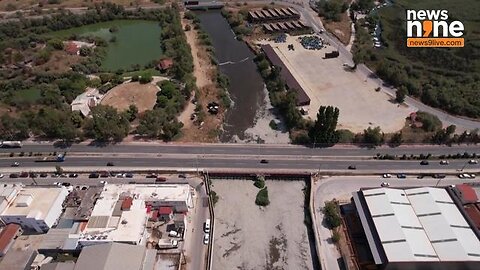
pixel 385 184
pixel 472 175
pixel 120 175
pixel 464 175
pixel 206 238
pixel 1 175
pixel 443 162
pixel 103 182
pixel 387 175
pixel 473 161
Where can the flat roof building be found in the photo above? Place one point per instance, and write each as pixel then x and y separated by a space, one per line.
pixel 415 227
pixel 36 208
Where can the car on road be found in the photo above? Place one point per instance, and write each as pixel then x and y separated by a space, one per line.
pixel 129 175
pixel 73 175
pixel 120 175
pixel 206 226
pixel 66 184
pixel 182 176
pixel 43 175
pixel 264 161
pixel 424 162
pixel 15 164
pixel 401 176
pixel 110 164
pixel 206 238
pixel 94 175
pixel 473 161
pixel 387 175
pixel 103 182
pixel 1 175
pixel 439 176
pixel 160 179
pixel 23 174
pixel 443 162
pixel 352 167
pixel 151 175
pixel 385 184
pixel 466 176
pixel 13 175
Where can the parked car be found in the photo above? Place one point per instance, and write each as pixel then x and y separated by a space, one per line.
pixel 385 184
pixel 104 174
pixel 182 176
pixel 94 175
pixel 33 175
pixel 43 175
pixel 206 238
pixel 1 175
pixel 15 164
pixel 129 175
pixel 151 175
pixel 401 175
pixel 443 162
pixel 473 161
pixel 120 175
pixel 424 162
pixel 264 161
pixel 103 182
pixel 66 184
pixel 73 175
pixel 352 167
pixel 132 182
pixel 13 175
pixel 110 164
pixel 387 175
pixel 439 176
pixel 23 174
pixel 206 226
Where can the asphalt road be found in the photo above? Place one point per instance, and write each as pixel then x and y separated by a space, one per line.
pixel 188 162
pixel 244 149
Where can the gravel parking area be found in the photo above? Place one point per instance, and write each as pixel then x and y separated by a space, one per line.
pixel 327 82
pixel 250 237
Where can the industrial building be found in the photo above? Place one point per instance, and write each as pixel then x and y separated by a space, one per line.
pixel 33 208
pixel 272 15
pixel 417 228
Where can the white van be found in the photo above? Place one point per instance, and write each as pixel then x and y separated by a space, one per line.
pixel 206 226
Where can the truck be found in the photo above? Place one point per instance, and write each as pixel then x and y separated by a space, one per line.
pixel 57 158
pixel 10 144
pixel 333 54
pixel 167 244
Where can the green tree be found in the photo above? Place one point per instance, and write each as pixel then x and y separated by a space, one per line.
pixel 262 197
pixel 331 214
pixel 400 94
pixel 56 44
pixel 373 136
pixel 397 138
pixel 132 112
pixel 106 124
pixel 324 130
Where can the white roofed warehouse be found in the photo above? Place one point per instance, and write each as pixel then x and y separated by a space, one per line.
pixel 417 228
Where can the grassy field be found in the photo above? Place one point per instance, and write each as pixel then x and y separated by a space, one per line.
pixel 446 78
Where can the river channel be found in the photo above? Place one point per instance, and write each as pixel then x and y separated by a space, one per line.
pixel 235 61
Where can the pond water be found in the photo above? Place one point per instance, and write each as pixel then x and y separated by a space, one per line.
pixel 136 42
pixel 236 61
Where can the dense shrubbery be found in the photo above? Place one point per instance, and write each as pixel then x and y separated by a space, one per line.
pixel 262 197
pixel 332 214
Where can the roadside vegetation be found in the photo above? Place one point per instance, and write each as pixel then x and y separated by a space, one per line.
pixel 332 215
pixel 262 197
pixel 36 101
pixel 445 78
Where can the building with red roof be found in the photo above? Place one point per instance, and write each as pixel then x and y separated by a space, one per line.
pixel 165 64
pixel 8 236
pixel 165 213
pixel 72 48
pixel 466 194
pixel 127 203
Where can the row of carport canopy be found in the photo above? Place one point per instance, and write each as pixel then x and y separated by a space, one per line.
pixel 284 26
pixel 273 14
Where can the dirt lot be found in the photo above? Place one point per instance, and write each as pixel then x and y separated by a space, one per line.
pixel 142 95
pixel 327 83
pixel 59 62
pixel 250 237
pixel 341 29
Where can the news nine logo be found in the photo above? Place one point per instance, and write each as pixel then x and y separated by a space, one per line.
pixel 432 28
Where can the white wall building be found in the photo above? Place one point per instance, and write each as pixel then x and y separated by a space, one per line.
pixel 35 208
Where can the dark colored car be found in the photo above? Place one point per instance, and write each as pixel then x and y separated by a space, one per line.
pixel 13 175
pixel 264 161
pixel 352 167
pixel 151 175
pixel 66 184
pixel 73 175
pixel 93 175
pixel 132 182
pixel 33 175
pixel 182 176
pixel 160 179
pixel 439 176
pixel 401 175
pixel 129 175
pixel 110 164
pixel 104 174
pixel 23 174
pixel 43 175
pixel 424 162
